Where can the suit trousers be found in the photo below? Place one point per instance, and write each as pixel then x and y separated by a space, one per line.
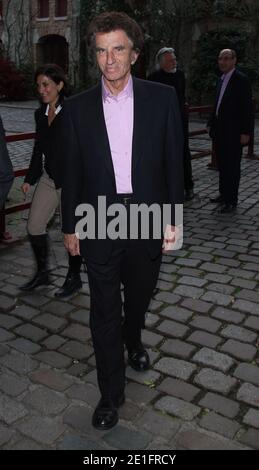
pixel 129 265
pixel 229 163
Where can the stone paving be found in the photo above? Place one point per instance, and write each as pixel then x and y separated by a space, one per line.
pixel 202 391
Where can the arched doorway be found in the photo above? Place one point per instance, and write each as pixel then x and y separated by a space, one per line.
pixel 53 49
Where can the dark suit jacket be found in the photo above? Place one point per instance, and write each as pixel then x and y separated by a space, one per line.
pixel 6 169
pixel 176 79
pixel 47 144
pixel 157 166
pixel 235 116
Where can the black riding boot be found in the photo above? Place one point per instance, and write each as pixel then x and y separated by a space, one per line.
pixel 73 280
pixel 39 244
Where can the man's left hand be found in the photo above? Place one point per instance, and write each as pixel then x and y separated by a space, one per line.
pixel 71 243
pixel 173 238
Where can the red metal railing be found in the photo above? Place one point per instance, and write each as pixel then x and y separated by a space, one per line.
pixel 17 137
pixel 5 236
pixel 202 153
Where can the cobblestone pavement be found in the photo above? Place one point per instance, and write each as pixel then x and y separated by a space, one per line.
pixel 202 391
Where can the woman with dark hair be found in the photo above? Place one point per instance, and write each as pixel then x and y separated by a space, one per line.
pixel 46 170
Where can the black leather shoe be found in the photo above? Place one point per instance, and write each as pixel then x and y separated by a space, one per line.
pixel 41 278
pixel 217 200
pixel 106 414
pixel 71 285
pixel 189 195
pixel 138 358
pixel 227 209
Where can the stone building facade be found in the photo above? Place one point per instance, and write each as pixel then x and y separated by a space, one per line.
pixel 40 31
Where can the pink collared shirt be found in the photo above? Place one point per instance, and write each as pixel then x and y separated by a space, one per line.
pixel 225 79
pixel 118 114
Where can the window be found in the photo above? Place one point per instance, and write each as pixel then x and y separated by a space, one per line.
pixel 43 8
pixel 61 8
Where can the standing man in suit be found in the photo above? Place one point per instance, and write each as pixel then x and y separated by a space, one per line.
pixel 230 125
pixel 168 73
pixel 122 141
pixel 6 169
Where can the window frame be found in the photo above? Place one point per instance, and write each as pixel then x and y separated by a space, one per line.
pixel 59 7
pixel 41 9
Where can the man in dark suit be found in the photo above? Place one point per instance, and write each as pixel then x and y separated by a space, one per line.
pixel 122 141
pixel 230 125
pixel 168 73
pixel 6 169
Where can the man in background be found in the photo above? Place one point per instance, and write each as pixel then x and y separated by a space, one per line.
pixel 230 126
pixel 169 74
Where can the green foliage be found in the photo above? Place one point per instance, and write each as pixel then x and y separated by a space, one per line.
pixel 195 9
pixel 232 9
pixel 204 69
pixel 164 21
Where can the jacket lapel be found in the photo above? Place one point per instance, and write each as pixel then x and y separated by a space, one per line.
pixel 100 130
pixel 228 87
pixel 139 121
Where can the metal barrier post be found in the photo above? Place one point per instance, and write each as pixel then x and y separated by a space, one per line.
pixel 4 236
pixel 213 165
pixel 250 150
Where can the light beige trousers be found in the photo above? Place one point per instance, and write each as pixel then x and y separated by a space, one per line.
pixel 46 199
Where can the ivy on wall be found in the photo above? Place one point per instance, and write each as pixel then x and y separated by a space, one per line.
pixel 232 8
pixel 204 69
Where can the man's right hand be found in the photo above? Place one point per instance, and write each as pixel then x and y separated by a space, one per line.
pixel 25 188
pixel 71 243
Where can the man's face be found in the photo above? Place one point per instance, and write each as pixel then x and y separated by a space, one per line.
pixel 114 54
pixel 225 61
pixel 168 62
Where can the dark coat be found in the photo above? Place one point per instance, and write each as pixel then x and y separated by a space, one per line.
pixel 235 115
pixel 47 144
pixel 176 79
pixel 157 167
